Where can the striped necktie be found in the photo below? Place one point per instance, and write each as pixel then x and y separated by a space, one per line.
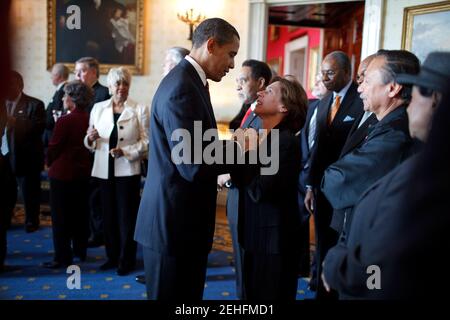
pixel 334 109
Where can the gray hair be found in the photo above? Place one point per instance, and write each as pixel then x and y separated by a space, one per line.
pixel 178 53
pixel 81 94
pixel 61 70
pixel 120 74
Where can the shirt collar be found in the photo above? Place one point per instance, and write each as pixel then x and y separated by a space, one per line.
pixel 198 68
pixel 343 91
pixel 59 86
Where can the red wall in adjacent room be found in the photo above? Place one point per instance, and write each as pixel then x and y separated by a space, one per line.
pixel 275 48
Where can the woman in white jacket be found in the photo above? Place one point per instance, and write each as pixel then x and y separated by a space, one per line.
pixel 118 135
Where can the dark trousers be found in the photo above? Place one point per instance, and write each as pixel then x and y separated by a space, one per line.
pixel 232 215
pixel 30 186
pixel 70 218
pixel 237 256
pixel 326 238
pixel 270 277
pixel 120 202
pixel 95 209
pixel 174 278
pixel 8 193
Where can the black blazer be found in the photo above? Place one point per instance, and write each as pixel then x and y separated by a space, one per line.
pixel 373 239
pixel 387 145
pixel 178 205
pixel 57 105
pixel 268 210
pixel 25 139
pixel 254 122
pixel 331 139
pixel 357 135
pixel 306 157
pixel 101 93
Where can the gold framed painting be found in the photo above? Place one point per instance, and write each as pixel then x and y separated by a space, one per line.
pixel 112 31
pixel 425 28
pixel 275 65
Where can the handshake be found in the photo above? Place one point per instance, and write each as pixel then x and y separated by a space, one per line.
pixel 248 139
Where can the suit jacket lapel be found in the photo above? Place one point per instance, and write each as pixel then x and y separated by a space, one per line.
pixel 357 135
pixel 202 89
pixel 346 103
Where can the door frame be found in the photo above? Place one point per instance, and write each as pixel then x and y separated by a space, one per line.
pixel 294 45
pixel 258 23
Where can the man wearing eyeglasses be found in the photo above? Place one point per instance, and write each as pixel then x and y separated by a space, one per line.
pixel 336 114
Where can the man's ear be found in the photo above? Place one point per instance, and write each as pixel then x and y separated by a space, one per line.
pixel 394 89
pixel 261 83
pixel 437 97
pixel 210 45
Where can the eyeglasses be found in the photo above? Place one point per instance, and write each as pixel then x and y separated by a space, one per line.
pixel 426 92
pixel 328 73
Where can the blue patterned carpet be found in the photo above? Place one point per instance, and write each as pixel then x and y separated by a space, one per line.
pixel 26 280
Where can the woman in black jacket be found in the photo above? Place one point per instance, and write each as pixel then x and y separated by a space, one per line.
pixel 269 219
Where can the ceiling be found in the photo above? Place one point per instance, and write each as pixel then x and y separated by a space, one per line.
pixel 324 15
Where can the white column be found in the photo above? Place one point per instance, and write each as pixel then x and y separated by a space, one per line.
pixel 372 31
pixel 257 29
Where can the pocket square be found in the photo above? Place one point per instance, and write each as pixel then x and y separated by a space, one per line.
pixel 348 118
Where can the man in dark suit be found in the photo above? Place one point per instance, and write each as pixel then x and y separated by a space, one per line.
pixel 400 223
pixel 176 217
pixel 387 144
pixel 356 137
pixel 25 126
pixel 59 76
pixel 87 70
pixel 336 114
pixel 254 76
pixel 307 140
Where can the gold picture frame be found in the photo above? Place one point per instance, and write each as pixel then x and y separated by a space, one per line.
pixel 113 34
pixel 425 28
pixel 275 65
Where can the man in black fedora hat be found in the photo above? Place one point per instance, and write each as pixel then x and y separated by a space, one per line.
pixel 400 223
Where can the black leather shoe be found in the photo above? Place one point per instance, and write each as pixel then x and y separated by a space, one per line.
pixel 140 278
pixel 29 228
pixel 108 265
pixel 122 271
pixel 54 265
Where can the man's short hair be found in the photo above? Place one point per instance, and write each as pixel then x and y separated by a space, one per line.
pixel 178 53
pixel 91 62
pixel 342 60
pixel 216 28
pixel 62 70
pixel 16 78
pixel 259 69
pixel 397 62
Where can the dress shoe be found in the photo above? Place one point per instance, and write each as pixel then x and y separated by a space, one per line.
pixel 29 227
pixel 55 265
pixel 108 265
pixel 140 278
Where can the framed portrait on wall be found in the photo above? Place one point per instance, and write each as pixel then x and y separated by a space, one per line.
pixel 112 31
pixel 275 65
pixel 425 28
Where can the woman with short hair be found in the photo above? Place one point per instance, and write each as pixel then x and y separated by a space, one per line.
pixel 269 220
pixel 118 136
pixel 69 169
